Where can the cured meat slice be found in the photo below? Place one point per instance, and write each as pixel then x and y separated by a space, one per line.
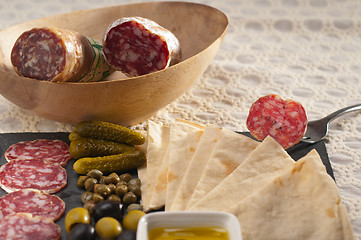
pixel 52 151
pixel 58 55
pixel 22 226
pixel 32 201
pixel 36 174
pixel 137 46
pixel 284 120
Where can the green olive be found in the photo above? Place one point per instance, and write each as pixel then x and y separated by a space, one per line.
pixel 97 198
pixel 134 206
pixel 89 184
pixel 121 190
pixel 114 198
pixel 102 189
pixel 129 198
pixel 86 197
pixel 125 177
pixel 75 216
pixel 81 181
pixel 130 221
pixel 108 228
pixel 95 173
pixel 89 205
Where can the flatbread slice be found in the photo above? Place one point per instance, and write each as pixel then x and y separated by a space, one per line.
pixel 302 203
pixel 142 170
pixel 262 165
pixel 157 145
pixel 183 142
pixel 229 152
pixel 196 166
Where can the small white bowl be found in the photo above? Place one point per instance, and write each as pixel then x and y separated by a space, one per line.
pixel 189 219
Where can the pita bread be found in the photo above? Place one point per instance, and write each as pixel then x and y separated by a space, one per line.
pixel 142 170
pixel 302 203
pixel 268 160
pixel 198 162
pixel 229 152
pixel 183 142
pixel 157 145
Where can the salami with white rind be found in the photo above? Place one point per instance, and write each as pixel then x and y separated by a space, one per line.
pixel 284 120
pixel 138 46
pixel 32 201
pixel 35 174
pixel 58 55
pixel 52 151
pixel 23 226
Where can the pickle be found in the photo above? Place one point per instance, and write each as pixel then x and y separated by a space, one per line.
pixel 73 136
pixel 112 163
pixel 87 147
pixel 109 131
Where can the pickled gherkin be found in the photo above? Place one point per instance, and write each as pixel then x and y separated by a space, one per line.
pixel 87 147
pixel 112 163
pixel 109 131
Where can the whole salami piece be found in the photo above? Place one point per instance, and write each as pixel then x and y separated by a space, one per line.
pixel 52 151
pixel 32 201
pixel 58 55
pixel 36 174
pixel 138 46
pixel 22 226
pixel 284 120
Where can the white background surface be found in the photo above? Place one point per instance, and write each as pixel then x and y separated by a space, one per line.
pixel 305 50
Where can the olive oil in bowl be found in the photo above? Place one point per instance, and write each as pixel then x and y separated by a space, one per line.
pixel 189 233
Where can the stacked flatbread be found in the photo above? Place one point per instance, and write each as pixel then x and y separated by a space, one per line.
pixel 208 168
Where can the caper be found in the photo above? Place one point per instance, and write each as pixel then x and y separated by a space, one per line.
pixel 75 216
pixel 134 181
pixel 125 177
pixel 86 197
pixel 130 221
pixel 129 198
pixel 102 189
pixel 121 182
pixel 135 188
pixel 112 178
pixel 89 184
pixel 108 228
pixel 95 173
pixel 89 205
pixel 97 198
pixel 81 181
pixel 102 180
pixel 134 206
pixel 121 190
pixel 114 198
pixel 112 187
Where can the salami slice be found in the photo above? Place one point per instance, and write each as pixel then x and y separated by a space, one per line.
pixel 58 55
pixel 32 201
pixel 36 174
pixel 22 226
pixel 284 120
pixel 52 151
pixel 137 46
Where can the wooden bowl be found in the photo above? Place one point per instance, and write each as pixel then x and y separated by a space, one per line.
pixel 199 28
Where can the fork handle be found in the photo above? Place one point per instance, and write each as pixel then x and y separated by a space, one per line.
pixel 343 111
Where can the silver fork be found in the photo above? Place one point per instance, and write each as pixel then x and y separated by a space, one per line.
pixel 317 130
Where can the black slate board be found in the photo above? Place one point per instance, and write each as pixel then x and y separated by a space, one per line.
pixel 71 193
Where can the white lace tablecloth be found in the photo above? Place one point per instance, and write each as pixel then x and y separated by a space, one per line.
pixel 305 50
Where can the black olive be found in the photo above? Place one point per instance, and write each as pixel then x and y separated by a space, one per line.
pixel 108 208
pixel 127 235
pixel 82 231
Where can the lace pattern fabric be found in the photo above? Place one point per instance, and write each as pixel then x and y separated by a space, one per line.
pixel 308 51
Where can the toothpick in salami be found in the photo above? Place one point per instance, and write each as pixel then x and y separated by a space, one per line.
pixel 32 201
pixel 138 46
pixel 26 227
pixel 52 151
pixel 36 174
pixel 284 120
pixel 58 55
